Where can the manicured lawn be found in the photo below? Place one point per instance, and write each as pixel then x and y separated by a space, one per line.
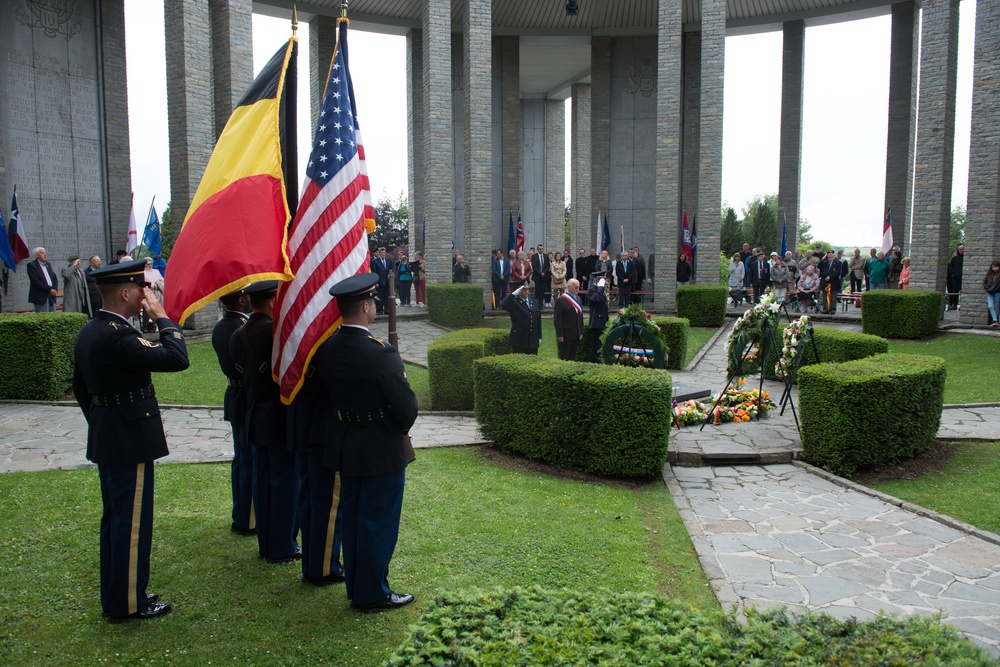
pixel 966 487
pixel 970 359
pixel 468 523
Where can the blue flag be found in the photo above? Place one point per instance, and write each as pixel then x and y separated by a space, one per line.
pixel 510 232
pixel 6 252
pixel 605 235
pixel 784 233
pixel 151 238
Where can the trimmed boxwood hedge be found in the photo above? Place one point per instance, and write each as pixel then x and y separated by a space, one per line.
pixel 702 305
pixel 834 346
pixel 38 354
pixel 571 414
pixel 892 313
pixel 870 412
pixel 449 364
pixel 674 328
pixel 455 305
pixel 534 626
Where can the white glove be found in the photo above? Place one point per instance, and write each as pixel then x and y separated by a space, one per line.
pixel 518 291
pixel 602 282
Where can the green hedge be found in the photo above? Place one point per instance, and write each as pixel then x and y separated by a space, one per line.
pixel 893 313
pixel 676 331
pixel 834 346
pixel 870 412
pixel 534 626
pixel 455 305
pixel 449 364
pixel 608 420
pixel 702 305
pixel 38 354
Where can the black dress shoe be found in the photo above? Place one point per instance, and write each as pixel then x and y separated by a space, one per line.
pixel 242 531
pixel 297 555
pixel 152 598
pixel 336 577
pixel 394 601
pixel 152 611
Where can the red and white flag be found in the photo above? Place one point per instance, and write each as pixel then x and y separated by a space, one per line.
pixel 887 231
pixel 519 242
pixel 328 238
pixel 133 232
pixel 17 238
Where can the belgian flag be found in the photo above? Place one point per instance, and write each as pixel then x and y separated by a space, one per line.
pixel 235 231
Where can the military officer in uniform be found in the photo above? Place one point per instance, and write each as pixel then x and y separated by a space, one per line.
pixel 598 299
pixel 112 384
pixel 525 321
pixel 371 410
pixel 237 305
pixel 275 486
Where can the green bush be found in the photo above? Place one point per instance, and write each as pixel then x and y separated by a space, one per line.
pixel 833 346
pixel 702 305
pixel 449 364
pixel 534 626
pixel 870 412
pixel 608 420
pixel 676 331
pixel 892 313
pixel 455 305
pixel 38 354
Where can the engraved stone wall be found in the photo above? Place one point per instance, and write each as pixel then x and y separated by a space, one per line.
pixel 533 161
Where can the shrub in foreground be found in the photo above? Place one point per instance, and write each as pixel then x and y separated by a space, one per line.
pixel 702 305
pixel 870 412
pixel 38 354
pixel 534 626
pixel 833 346
pixel 449 364
pixel 455 305
pixel 892 313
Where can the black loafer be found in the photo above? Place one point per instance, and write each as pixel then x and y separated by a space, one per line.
pixel 152 611
pixel 242 531
pixel 297 555
pixel 332 578
pixel 394 601
pixel 152 598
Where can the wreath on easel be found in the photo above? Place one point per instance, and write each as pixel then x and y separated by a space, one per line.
pixel 633 338
pixel 747 343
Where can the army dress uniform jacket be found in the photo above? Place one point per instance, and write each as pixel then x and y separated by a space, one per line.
pixel 113 386
pixel 525 322
pixel 250 348
pixel 234 404
pixel 371 404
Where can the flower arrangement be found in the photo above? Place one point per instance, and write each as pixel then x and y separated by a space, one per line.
pixel 746 339
pixel 736 404
pixel 795 335
pixel 642 349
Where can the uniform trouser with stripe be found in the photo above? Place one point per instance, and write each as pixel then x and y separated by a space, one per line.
pixel 275 500
pixel 370 510
pixel 242 478
pixel 319 514
pixel 126 536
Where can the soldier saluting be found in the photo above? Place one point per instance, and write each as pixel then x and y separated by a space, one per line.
pixel 113 386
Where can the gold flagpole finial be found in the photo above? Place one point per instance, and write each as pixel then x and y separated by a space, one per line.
pixel 343 9
pixel 295 20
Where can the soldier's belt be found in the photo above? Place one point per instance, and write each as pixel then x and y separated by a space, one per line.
pixel 351 417
pixel 125 398
pixel 235 383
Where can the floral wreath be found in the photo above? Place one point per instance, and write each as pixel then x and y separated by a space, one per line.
pixel 794 337
pixel 736 404
pixel 745 340
pixel 649 332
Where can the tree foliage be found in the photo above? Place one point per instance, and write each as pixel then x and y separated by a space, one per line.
pixel 805 233
pixel 167 230
pixel 760 222
pixel 956 230
pixel 391 223
pixel 731 241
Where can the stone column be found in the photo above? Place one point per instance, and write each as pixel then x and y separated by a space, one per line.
pixel 189 100
pixel 690 149
pixel 600 130
pixel 322 40
pixel 581 220
pixel 713 67
pixel 668 150
pixel 555 175
pixel 982 227
pixel 438 146
pixel 511 113
pixel 935 145
pixel 790 152
pixel 116 127
pixel 477 52
pixel 232 55
pixel 415 136
pixel 899 143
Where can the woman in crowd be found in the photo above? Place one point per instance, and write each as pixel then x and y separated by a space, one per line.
pixel 404 275
pixel 808 286
pixel 604 265
pixel 904 275
pixel 419 278
pixel 991 283
pixel 684 270
pixel 461 272
pixel 895 269
pixel 736 272
pixel 779 279
pixel 558 275
pixel 520 271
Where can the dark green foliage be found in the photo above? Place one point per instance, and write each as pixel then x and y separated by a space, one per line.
pixel 891 313
pixel 38 354
pixel 536 626
pixel 760 223
pixel 870 412
pixel 608 420
pixel 702 305
pixel 449 364
pixel 676 331
pixel 833 346
pixel 455 305
pixel 730 242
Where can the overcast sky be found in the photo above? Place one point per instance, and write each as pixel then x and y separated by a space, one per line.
pixel 843 137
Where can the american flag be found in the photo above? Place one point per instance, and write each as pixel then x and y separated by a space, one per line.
pixel 327 239
pixel 519 244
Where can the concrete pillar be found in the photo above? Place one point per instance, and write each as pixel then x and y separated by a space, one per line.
pixel 510 92
pixel 982 226
pixel 790 151
pixel 713 67
pixel 477 51
pixel 581 222
pixel 415 137
pixel 438 146
pixel 322 40
pixel 935 145
pixel 690 151
pixel 600 130
pixel 899 143
pixel 232 55
pixel 116 126
pixel 555 175
pixel 668 150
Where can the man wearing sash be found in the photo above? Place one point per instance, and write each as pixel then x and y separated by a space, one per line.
pixel 567 317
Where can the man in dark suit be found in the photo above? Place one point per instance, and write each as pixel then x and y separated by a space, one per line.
pixel 501 275
pixel 237 305
pixel 598 300
pixel 568 261
pixel 584 267
pixel 95 294
pixel 113 386
pixel 380 267
pixel 830 272
pixel 760 275
pixel 625 271
pixel 43 283
pixel 567 317
pixel 275 486
pixel 525 321
pixel 640 274
pixel 371 409
pixel 541 270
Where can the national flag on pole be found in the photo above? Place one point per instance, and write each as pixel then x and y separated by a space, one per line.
pixel 6 252
pixel 15 233
pixel 622 228
pixel 133 231
pixel 597 233
pixel 887 231
pixel 519 245
pixel 605 236
pixel 151 237
pixel 235 230
pixel 510 231
pixel 784 234
pixel 328 239
pixel 694 239
pixel 685 236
